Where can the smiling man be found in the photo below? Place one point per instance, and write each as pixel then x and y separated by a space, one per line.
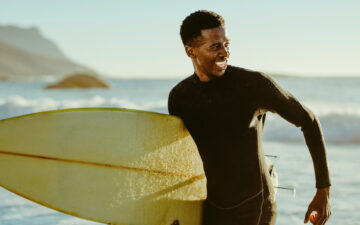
pixel 224 108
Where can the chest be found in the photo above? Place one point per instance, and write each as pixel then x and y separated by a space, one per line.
pixel 228 104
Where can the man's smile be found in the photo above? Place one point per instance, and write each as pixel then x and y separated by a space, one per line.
pixel 221 64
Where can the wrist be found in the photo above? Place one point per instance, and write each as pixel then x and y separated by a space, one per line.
pixel 325 190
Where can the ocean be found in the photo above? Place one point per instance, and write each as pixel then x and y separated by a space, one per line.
pixel 335 100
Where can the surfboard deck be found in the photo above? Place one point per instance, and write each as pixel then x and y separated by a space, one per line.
pixel 108 165
pixel 112 166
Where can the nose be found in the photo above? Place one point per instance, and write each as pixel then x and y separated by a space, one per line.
pixel 224 51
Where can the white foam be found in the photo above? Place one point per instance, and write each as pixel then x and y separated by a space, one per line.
pixel 21 212
pixel 18 105
pixel 339 108
pixel 341 127
pixel 340 122
pixel 75 221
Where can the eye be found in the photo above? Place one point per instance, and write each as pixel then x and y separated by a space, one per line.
pixel 215 47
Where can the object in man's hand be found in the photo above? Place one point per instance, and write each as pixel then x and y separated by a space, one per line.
pixel 313 217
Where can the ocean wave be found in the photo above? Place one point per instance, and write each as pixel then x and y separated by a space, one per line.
pixel 338 127
pixel 76 221
pixel 331 108
pixel 18 105
pixel 340 123
pixel 27 212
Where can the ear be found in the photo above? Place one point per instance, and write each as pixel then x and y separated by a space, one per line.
pixel 189 51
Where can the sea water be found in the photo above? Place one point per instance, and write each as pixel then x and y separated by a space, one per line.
pixel 336 101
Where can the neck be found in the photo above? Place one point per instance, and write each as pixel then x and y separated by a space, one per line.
pixel 203 77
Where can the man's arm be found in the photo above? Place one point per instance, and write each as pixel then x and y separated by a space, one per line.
pixel 280 101
pixel 173 106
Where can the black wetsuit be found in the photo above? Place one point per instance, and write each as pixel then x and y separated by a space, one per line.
pixel 225 117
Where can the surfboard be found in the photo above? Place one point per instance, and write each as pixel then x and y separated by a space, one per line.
pixel 109 165
pixel 112 166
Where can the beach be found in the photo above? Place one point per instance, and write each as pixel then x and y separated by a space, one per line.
pixel 335 101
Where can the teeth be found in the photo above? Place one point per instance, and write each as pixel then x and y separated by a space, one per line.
pixel 221 64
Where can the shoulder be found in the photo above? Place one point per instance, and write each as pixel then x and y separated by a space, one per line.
pixel 261 86
pixel 179 95
pixel 182 87
pixel 249 77
pixel 239 72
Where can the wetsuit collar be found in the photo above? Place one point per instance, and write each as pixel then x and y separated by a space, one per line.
pixel 212 81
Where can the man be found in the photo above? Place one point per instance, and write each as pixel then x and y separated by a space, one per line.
pixel 224 109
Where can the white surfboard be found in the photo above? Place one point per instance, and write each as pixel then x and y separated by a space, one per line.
pixel 112 166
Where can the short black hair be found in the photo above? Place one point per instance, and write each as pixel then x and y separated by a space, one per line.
pixel 200 20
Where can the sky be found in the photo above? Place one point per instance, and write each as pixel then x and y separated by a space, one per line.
pixel 140 39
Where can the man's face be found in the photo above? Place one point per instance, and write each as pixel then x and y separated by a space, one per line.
pixel 210 53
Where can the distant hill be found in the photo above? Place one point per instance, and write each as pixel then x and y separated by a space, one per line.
pixel 31 40
pixel 79 81
pixel 26 54
pixel 16 63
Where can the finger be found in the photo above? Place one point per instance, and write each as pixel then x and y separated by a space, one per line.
pixel 323 221
pixel 326 219
pixel 307 215
pixel 320 219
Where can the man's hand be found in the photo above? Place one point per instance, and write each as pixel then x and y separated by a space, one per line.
pixel 320 204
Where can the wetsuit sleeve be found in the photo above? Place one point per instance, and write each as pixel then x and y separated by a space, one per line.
pixel 173 105
pixel 280 101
